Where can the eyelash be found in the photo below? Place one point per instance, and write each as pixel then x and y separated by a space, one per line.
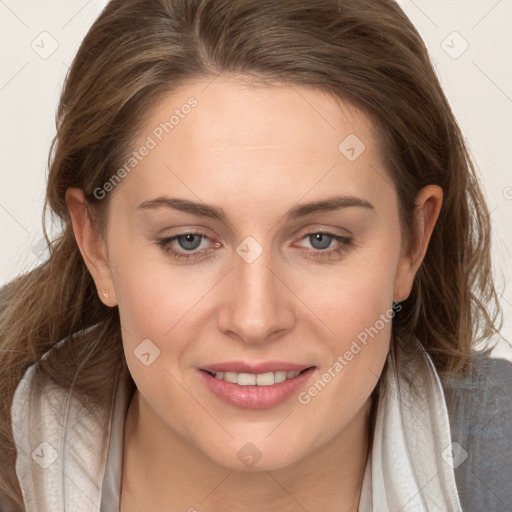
pixel 346 244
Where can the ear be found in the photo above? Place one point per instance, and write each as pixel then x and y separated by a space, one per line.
pixel 91 245
pixel 428 206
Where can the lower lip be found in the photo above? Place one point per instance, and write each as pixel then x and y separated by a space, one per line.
pixel 256 397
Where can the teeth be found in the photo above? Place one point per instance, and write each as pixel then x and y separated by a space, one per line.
pixel 246 379
pixel 265 379
pixel 231 377
pixel 251 379
pixel 280 377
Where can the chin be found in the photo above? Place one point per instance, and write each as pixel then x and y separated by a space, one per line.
pixel 254 456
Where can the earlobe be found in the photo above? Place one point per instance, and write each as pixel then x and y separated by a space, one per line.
pixel 428 207
pixel 91 245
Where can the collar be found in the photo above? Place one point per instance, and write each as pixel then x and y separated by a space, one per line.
pixel 409 466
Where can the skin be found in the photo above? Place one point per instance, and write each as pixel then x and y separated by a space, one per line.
pixel 255 152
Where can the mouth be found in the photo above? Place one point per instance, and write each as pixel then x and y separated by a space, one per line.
pixel 257 379
pixel 256 389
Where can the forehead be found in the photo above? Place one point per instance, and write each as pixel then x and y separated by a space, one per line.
pixel 217 138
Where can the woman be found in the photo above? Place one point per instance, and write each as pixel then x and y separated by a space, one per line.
pixel 274 245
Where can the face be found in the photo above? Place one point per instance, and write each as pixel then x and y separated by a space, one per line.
pixel 258 233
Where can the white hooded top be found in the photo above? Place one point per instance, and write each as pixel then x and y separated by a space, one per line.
pixel 70 459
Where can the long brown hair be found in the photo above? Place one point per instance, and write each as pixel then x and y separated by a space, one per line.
pixel 366 52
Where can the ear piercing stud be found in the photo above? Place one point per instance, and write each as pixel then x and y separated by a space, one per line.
pixel 105 294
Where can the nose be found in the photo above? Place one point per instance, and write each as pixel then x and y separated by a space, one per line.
pixel 259 305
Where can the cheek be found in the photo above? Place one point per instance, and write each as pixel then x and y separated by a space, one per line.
pixel 351 296
pixel 358 311
pixel 361 319
pixel 153 314
pixel 153 306
pixel 153 296
pixel 354 303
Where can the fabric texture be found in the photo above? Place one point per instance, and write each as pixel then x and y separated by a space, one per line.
pixel 408 470
pixel 480 408
pixel 425 444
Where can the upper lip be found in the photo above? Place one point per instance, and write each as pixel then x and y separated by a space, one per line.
pixel 256 368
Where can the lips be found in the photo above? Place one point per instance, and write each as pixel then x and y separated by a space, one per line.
pixel 263 395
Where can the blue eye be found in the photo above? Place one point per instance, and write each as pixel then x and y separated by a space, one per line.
pixel 189 242
pixel 322 240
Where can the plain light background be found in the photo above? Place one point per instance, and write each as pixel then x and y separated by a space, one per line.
pixel 469 43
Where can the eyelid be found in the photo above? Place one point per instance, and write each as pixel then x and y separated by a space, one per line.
pixel 315 228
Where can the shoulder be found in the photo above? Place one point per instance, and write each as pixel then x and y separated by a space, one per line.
pixel 480 412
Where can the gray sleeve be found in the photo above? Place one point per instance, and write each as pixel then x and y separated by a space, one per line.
pixel 480 412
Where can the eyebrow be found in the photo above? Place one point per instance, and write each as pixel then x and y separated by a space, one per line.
pixel 298 211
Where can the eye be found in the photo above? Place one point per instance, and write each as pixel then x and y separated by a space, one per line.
pixel 187 242
pixel 190 241
pixel 322 240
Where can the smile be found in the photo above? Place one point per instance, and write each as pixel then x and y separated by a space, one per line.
pixel 256 390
